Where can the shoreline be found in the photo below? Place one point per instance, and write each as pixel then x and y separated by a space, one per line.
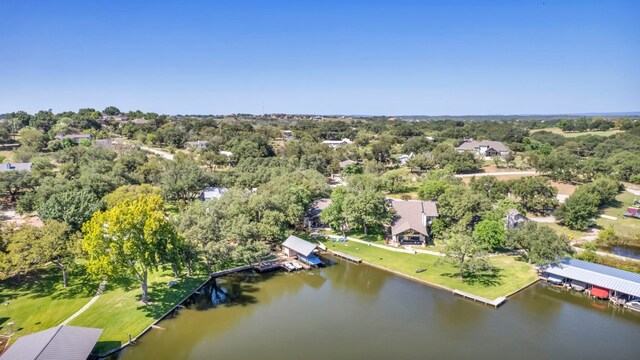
pixel 483 300
pixel 170 311
pixel 216 274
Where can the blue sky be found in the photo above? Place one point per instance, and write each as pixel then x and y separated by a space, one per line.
pixel 330 57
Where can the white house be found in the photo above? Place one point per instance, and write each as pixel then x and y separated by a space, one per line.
pixel 337 143
pixel 485 148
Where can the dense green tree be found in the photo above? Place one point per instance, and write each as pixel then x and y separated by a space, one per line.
pixel 366 210
pixel 111 110
pixel 71 207
pixel 535 193
pixel 334 214
pixel 490 233
pixel 460 205
pixel 182 181
pixel 432 189
pixel 467 255
pixel 540 242
pixel 32 138
pixel 131 239
pixel 129 192
pixel 14 183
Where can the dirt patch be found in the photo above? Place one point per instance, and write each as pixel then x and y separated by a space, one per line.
pixel 564 188
pixel 12 218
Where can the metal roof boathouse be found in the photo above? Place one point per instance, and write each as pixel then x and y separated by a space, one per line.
pixel 57 343
pixel 304 250
pixel 599 278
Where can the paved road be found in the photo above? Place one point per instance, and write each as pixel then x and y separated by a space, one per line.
pixel 498 173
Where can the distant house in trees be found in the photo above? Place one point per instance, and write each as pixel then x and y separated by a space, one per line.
pixel 404 158
pixel 486 148
pixel 211 193
pixel 140 121
pixel 16 167
pixel 196 145
pixel 337 143
pixel 514 219
pixel 74 137
pixel 287 134
pixel 312 217
pixel 412 221
pixel 344 164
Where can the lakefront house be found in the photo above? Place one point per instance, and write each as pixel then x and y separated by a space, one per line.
pixel 412 221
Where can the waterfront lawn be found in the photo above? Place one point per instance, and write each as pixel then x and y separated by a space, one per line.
pixel 39 301
pixel 373 236
pixel 119 312
pixel 510 275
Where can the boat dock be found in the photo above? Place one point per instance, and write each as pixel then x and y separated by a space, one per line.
pixel 495 303
pixel 346 256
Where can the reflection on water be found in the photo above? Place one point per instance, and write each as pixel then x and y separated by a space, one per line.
pixel 350 311
pixel 628 251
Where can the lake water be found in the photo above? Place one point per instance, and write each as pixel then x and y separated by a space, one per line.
pixel 350 311
pixel 628 251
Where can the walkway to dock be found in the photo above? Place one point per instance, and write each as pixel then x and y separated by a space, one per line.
pixel 495 303
pixel 346 256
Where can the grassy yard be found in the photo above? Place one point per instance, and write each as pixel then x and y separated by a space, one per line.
pixel 575 134
pixel 39 301
pixel 510 275
pixel 119 312
pixel 377 237
pixel 623 226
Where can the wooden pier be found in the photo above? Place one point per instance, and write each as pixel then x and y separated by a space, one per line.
pixel 346 256
pixel 495 303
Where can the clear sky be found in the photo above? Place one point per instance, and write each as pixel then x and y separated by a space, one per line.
pixel 331 56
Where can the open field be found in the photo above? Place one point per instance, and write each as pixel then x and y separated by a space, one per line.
pixel 119 312
pixel 510 274
pixel 623 226
pixel 39 301
pixel 6 154
pixel 575 134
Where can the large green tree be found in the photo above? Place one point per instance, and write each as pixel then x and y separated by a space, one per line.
pixel 366 210
pixel 535 193
pixel 71 207
pixel 541 243
pixel 466 254
pixel 131 239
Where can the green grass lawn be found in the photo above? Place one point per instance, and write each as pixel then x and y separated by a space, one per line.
pixel 575 134
pixel 510 275
pixel 375 237
pixel 39 301
pixel 623 226
pixel 119 312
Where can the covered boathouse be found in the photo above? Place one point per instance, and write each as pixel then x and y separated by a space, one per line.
pixel 601 281
pixel 60 342
pixel 302 249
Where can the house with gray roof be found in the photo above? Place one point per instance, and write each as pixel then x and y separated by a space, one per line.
pixel 514 218
pixel 301 249
pixel 312 217
pixel 196 145
pixel 411 223
pixel 16 167
pixel 74 137
pixel 60 342
pixel 211 193
pixel 485 148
